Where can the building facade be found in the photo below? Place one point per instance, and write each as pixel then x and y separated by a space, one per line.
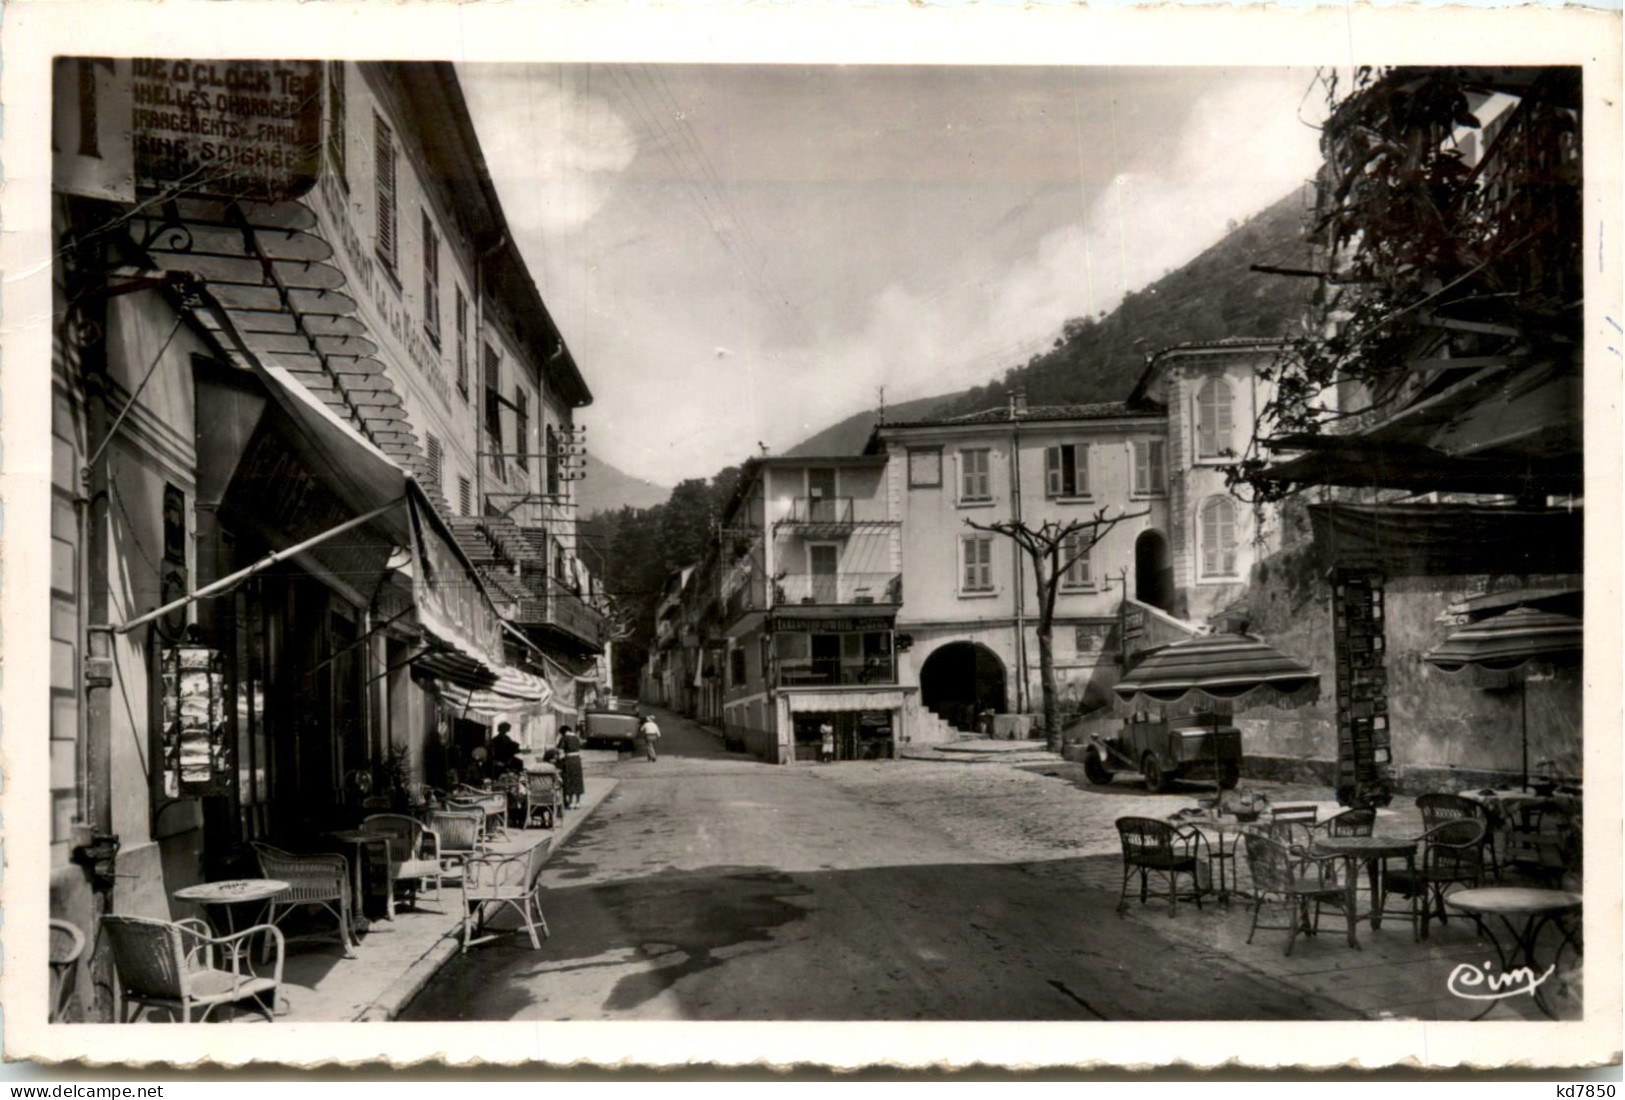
pixel 802 633
pixel 1181 553
pixel 291 329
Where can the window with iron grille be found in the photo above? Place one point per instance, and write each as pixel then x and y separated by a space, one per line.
pixel 1066 470
pixel 388 244
pixel 462 343
pixel 521 428
pixel 465 497
pixel 1150 467
pixel 431 281
pixel 336 106
pixel 976 560
pixel 974 483
pixel 432 472
pixel 1080 573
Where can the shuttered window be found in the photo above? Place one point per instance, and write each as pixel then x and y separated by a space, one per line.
pixel 1218 531
pixel 432 446
pixel 1080 572
pixel 431 281
pixel 465 497
pixel 388 244
pixel 1214 425
pixel 335 122
pixel 552 461
pixel 1150 467
pixel 521 429
pixel 974 483
pixel 1066 470
pixel 493 411
pixel 462 343
pixel 976 555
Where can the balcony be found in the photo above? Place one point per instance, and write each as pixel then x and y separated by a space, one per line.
pixel 838 589
pixel 836 671
pixel 564 611
pixel 820 511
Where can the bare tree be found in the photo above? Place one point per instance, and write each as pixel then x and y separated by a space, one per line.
pixel 1054 548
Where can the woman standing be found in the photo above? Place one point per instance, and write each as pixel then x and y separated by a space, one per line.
pixel 575 781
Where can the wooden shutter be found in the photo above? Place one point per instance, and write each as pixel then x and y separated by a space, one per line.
pixel 431 280
pixel 1157 460
pixel 1052 472
pixel 432 445
pixel 1080 469
pixel 1142 467
pixel 462 342
pixel 384 171
pixel 465 497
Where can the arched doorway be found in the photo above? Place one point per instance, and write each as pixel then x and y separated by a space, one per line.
pixel 960 680
pixel 1153 575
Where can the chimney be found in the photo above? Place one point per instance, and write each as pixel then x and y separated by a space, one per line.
pixel 1018 401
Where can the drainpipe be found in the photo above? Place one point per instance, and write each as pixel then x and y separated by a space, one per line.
pixel 95 846
pixel 1018 402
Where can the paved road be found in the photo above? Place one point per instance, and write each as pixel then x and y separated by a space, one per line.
pixel 713 887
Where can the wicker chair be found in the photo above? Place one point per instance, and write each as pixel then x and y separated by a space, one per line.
pixel 546 792
pixel 67 944
pixel 1452 854
pixel 414 855
pixel 493 804
pixel 173 965
pixel 319 880
pixel 1152 847
pixel 517 796
pixel 1280 872
pixel 1360 822
pixel 513 882
pixel 1438 808
pixel 457 833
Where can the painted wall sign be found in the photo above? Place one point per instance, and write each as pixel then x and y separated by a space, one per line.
pixel 229 129
pixel 832 626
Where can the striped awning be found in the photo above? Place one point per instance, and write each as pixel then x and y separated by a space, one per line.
pixel 1216 672
pixel 1507 640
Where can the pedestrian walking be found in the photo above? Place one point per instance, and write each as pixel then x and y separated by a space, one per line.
pixel 649 733
pixel 826 742
pixel 575 780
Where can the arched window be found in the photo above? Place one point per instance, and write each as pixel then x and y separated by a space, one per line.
pixel 1218 537
pixel 1213 419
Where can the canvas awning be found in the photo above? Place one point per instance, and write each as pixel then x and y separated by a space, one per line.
pixel 1448 539
pixel 1509 639
pixel 1216 671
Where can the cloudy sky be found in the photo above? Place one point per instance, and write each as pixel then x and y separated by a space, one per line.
pixel 744 254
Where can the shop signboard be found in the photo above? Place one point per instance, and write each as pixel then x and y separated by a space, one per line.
pixel 848 625
pixel 248 130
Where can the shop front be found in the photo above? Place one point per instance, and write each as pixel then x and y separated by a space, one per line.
pixel 864 724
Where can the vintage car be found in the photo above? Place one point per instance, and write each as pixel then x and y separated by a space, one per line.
pixel 1165 750
pixel 608 726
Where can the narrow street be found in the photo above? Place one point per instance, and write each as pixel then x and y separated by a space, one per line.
pixel 711 886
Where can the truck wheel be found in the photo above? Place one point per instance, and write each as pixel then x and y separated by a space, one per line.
pixel 1155 778
pixel 1229 776
pixel 1095 769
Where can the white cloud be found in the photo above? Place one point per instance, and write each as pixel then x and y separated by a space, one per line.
pixel 556 147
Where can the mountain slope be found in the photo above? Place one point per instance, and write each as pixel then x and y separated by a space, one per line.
pixel 847 437
pixel 1214 296
pixel 606 489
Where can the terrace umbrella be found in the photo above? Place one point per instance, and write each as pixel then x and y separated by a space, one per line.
pixel 1508 641
pixel 1217 671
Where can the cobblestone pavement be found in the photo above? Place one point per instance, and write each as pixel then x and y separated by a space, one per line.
pixel 1049 820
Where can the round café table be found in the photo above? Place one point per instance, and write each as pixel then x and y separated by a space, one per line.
pixel 1221 826
pixel 219 899
pixel 1374 852
pixel 1524 912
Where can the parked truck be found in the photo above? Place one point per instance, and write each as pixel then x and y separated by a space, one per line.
pixel 609 726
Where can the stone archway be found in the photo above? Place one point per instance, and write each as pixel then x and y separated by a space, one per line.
pixel 960 680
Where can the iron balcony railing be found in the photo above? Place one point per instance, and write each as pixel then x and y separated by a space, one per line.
pixel 820 510
pixel 838 588
pixel 836 671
